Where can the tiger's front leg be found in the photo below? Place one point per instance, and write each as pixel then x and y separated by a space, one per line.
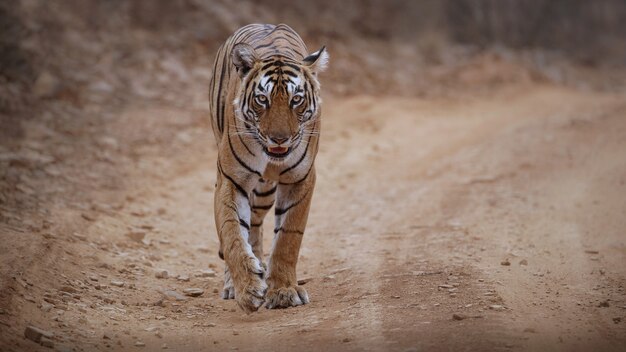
pixel 292 211
pixel 232 217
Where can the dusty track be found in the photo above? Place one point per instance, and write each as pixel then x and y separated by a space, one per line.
pixel 418 205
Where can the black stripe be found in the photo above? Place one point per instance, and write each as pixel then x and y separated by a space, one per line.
pixel 220 106
pixel 242 141
pixel 263 207
pixel 257 225
pixel 281 211
pixel 241 161
pixel 300 160
pixel 295 67
pixel 243 223
pixel 267 44
pixel 300 180
pixel 239 188
pixel 266 193
pixel 287 231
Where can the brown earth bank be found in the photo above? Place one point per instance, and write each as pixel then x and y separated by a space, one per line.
pixel 490 220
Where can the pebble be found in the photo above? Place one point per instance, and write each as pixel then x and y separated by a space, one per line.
pixel 523 262
pixel 496 307
pixel 184 278
pixel 136 236
pixel 304 280
pixel 161 274
pixel 46 342
pixel 603 304
pixel 457 316
pixel 445 286
pixel 164 346
pixel 36 334
pixel 46 307
pixel 592 251
pixel 68 289
pixel 345 340
pixel 205 273
pixel 174 295
pixel 193 292
pixel 505 262
pixel 140 344
pixel 46 85
pixel 117 283
pixel 88 217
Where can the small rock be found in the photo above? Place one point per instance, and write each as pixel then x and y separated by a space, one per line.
pixel 346 340
pixel 161 274
pixel 530 330
pixel 140 344
pixel 604 304
pixel 164 346
pixel 106 336
pixel 617 320
pixel 136 236
pixel 446 286
pixel 203 249
pixel 183 278
pixel 523 262
pixel 457 316
pixel 396 297
pixel 68 289
pixel 160 317
pixel 35 334
pixel 46 307
pixel 118 283
pixel 46 342
pixel 158 334
pixel 174 295
pixel 193 292
pixel 46 85
pixel 592 251
pixel 205 273
pixel 304 280
pixel 88 217
pixel 496 307
pixel 505 262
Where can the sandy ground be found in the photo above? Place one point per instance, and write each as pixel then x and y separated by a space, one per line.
pixel 490 221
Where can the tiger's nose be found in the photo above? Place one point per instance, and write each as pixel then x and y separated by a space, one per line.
pixel 278 140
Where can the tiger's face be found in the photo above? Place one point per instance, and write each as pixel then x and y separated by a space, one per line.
pixel 278 101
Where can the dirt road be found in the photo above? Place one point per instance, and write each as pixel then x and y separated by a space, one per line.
pixel 483 222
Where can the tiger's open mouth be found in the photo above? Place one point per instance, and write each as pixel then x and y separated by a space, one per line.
pixel 277 152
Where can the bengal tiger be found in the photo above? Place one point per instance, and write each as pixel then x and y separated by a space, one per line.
pixel 265 114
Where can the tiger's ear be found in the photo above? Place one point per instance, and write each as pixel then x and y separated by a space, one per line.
pixel 244 57
pixel 317 61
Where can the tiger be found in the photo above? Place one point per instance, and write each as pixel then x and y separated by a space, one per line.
pixel 265 110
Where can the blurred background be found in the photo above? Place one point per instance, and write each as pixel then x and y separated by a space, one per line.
pixel 72 54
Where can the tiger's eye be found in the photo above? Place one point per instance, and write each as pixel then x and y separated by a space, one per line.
pixel 296 99
pixel 261 98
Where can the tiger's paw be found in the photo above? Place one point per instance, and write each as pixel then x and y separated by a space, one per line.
pixel 285 297
pixel 250 289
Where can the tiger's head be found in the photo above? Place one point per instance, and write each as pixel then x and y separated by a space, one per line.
pixel 278 99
